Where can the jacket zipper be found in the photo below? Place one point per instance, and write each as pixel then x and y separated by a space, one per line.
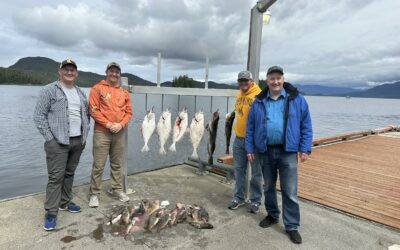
pixel 286 122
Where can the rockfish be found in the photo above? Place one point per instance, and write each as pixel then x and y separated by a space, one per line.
pixel 230 117
pixel 212 128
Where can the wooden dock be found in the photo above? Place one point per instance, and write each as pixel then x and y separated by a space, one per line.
pixel 357 173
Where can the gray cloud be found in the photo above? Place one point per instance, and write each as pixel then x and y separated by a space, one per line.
pixel 316 41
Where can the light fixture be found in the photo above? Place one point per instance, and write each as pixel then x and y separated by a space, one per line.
pixel 266 17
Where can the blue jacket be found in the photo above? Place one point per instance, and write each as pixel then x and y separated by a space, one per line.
pixel 298 128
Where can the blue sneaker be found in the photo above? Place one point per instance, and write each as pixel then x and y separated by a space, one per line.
pixel 72 207
pixel 50 222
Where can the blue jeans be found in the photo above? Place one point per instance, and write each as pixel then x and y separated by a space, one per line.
pixel 273 161
pixel 240 164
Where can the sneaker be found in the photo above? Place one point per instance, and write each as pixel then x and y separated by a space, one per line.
pixel 268 221
pixel 118 195
pixel 294 236
pixel 93 201
pixel 71 207
pixel 123 197
pixel 254 208
pixel 235 205
pixel 50 222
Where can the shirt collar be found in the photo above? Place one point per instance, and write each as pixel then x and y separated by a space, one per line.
pixel 283 94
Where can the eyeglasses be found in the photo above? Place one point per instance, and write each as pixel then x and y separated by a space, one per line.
pixel 241 81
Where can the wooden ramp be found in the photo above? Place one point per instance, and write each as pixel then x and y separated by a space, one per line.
pixel 357 176
pixel 360 177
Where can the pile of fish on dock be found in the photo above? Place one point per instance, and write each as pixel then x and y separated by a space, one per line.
pixel 196 130
pixel 155 216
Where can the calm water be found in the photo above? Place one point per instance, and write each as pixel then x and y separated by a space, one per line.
pixel 22 158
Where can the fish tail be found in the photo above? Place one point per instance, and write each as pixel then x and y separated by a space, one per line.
pixel 145 148
pixel 201 225
pixel 172 148
pixel 194 154
pixel 207 226
pixel 162 151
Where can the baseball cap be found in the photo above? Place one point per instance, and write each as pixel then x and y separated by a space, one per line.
pixel 113 64
pixel 275 69
pixel 245 75
pixel 68 62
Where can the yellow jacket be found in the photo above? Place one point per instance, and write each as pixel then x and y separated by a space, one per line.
pixel 242 107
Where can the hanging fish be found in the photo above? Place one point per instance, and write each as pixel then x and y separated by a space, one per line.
pixel 180 126
pixel 230 118
pixel 164 129
pixel 148 127
pixel 212 128
pixel 196 131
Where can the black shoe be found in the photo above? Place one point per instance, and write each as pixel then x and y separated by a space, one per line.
pixel 254 208
pixel 294 236
pixel 235 205
pixel 268 221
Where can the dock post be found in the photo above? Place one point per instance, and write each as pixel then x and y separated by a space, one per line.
pixel 247 185
pixel 159 70
pixel 125 85
pixel 206 75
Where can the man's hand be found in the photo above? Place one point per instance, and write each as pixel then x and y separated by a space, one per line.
pixel 109 124
pixel 303 157
pixel 116 127
pixel 251 157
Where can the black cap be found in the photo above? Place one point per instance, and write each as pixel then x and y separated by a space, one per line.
pixel 275 69
pixel 68 62
pixel 113 64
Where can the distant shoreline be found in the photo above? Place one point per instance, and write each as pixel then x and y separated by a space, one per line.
pixel 342 96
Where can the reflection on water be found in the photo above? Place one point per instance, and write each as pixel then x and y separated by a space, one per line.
pixel 22 159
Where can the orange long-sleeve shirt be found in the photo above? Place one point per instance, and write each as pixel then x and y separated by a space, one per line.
pixel 109 104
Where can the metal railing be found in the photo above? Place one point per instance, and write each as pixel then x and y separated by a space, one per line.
pixel 198 98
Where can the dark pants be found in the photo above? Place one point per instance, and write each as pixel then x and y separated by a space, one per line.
pixel 273 161
pixel 62 161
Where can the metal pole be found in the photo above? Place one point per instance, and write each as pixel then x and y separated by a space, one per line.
pixel 247 184
pixel 256 24
pixel 195 104
pixel 159 70
pixel 125 161
pixel 206 77
pixel 211 110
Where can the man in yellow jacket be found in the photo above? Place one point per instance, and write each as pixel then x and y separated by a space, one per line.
pixel 248 90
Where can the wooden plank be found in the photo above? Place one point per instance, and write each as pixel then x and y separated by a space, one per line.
pixel 226 159
pixel 360 177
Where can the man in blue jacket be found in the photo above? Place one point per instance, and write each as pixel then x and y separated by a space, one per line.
pixel 278 129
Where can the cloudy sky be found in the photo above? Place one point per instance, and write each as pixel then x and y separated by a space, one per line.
pixel 342 42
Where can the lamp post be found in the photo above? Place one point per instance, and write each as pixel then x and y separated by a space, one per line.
pixel 206 76
pixel 256 23
pixel 159 69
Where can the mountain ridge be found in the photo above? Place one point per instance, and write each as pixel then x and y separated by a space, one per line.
pixel 42 70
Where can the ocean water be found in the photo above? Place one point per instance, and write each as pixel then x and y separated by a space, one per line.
pixel 22 158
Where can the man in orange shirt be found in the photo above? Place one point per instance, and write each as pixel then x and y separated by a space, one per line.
pixel 110 106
